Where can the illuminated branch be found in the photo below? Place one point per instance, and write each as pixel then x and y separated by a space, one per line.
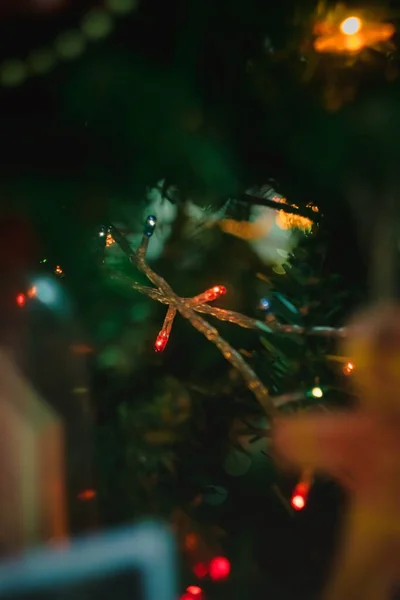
pixel 231 316
pixel 185 308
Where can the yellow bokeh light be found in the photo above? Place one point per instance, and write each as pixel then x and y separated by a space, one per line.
pixel 350 26
pixel 317 392
pixel 109 240
pixel 348 368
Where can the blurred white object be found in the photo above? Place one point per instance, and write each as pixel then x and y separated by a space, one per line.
pixel 32 503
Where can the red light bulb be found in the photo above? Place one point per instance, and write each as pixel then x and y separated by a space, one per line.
pixel 220 568
pixel 298 502
pixel 200 570
pixel 194 589
pixel 300 494
pixel 195 592
pixel 161 341
pixel 215 292
pixel 21 300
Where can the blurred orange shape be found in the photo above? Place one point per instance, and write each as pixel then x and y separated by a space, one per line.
pixel 87 495
pixel 335 41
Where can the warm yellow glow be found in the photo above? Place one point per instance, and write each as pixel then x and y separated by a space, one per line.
pixel 317 392
pixel 286 220
pixel 348 368
pixel 350 25
pixel 350 35
pixel 109 240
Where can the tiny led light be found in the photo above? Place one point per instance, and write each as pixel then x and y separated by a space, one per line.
pixel 298 502
pixel 161 341
pixel 300 493
pixel 350 26
pixel 348 368
pixel 317 392
pixel 215 292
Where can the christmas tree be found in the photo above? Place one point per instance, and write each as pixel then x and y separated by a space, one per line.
pixel 181 237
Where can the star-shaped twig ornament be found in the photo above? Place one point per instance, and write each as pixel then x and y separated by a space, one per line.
pixel 189 307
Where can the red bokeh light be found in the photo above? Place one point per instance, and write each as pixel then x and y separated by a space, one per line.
pixel 21 299
pixel 200 570
pixel 87 495
pixel 300 495
pixel 220 568
pixel 298 502
pixel 194 591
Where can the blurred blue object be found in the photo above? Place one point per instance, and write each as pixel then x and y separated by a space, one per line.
pixel 135 563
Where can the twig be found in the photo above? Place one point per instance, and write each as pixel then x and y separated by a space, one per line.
pixel 234 317
pixel 308 213
pixel 186 310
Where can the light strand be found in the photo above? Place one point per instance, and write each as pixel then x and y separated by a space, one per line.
pixel 95 25
pixel 234 317
pixel 301 491
pixel 185 309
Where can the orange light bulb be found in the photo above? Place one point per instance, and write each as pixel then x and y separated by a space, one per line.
pixel 350 26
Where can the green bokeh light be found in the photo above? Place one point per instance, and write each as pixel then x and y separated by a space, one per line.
pixel 41 61
pixel 13 73
pixel 121 7
pixel 70 44
pixel 97 24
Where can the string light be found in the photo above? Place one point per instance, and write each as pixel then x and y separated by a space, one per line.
pixel 21 300
pixel 161 341
pixel 200 570
pixel 97 24
pixel 87 495
pixel 317 392
pixel 162 292
pixel 109 240
pixel 220 568
pixel 348 368
pixel 150 225
pixel 288 220
pixel 350 26
pixel 300 495
pixel 209 295
pixel 194 591
pixel 338 35
pixel 58 270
